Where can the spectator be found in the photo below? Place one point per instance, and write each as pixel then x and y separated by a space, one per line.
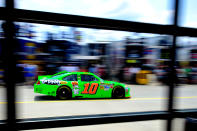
pixel 126 74
pixel 30 73
pixel 40 71
pixel 93 69
pixel 133 71
pixel 194 74
pixel 188 71
pixel 101 72
pixel 69 68
pixel 160 73
pixel 120 75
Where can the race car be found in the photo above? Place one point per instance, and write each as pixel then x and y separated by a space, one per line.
pixel 67 85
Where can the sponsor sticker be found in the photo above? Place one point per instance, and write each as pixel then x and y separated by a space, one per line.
pixel 63 82
pixel 102 87
pixel 51 82
pixel 106 87
pixel 74 83
pixel 75 87
pixel 76 91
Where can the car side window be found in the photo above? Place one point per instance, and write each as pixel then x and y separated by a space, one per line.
pixel 88 78
pixel 72 77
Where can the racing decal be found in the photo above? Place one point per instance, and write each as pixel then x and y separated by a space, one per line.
pixel 126 90
pixel 102 87
pixel 90 89
pixel 106 87
pixel 107 84
pixel 74 83
pixel 85 91
pixel 76 91
pixel 75 87
pixel 63 82
pixel 51 82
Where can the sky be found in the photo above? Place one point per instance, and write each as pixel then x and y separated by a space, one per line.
pixel 148 11
pixel 137 10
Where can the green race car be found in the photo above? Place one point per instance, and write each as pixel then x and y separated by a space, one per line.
pixel 67 85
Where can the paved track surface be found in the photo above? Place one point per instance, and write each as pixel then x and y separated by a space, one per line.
pixel 144 98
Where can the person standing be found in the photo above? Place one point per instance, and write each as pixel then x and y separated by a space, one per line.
pixel 133 71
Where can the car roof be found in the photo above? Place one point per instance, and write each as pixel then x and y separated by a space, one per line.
pixel 69 73
pixel 82 73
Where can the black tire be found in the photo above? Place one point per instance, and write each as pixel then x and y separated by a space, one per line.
pixel 118 92
pixel 64 93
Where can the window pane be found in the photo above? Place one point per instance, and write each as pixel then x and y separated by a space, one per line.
pixel 2 87
pixel 2 3
pixel 186 73
pixel 71 78
pixel 189 10
pixel 84 78
pixel 134 59
pixel 151 11
pixel 2 102
pixel 88 78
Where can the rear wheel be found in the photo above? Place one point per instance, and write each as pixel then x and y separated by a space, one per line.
pixel 118 92
pixel 64 93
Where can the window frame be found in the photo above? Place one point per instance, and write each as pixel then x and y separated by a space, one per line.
pixel 19 15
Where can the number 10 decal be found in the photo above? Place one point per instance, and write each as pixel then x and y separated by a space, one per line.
pixel 90 90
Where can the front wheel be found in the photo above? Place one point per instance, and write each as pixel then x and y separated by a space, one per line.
pixel 64 93
pixel 118 92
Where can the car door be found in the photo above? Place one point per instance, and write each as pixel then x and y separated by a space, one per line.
pixel 90 86
pixel 71 81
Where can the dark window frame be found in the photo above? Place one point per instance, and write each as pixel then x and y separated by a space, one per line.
pixel 10 14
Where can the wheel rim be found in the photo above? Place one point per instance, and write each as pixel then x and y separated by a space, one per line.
pixel 119 92
pixel 64 93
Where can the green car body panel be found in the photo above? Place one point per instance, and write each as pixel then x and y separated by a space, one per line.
pixel 80 87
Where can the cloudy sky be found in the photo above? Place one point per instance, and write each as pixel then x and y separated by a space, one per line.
pixel 154 11
pixel 149 11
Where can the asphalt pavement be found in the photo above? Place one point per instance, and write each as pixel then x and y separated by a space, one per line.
pixel 144 98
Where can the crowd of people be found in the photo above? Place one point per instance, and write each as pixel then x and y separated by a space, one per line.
pixel 187 74
pixel 28 73
pixel 128 74
pixel 184 74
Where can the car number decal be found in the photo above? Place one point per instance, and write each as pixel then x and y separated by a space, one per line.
pixel 90 89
